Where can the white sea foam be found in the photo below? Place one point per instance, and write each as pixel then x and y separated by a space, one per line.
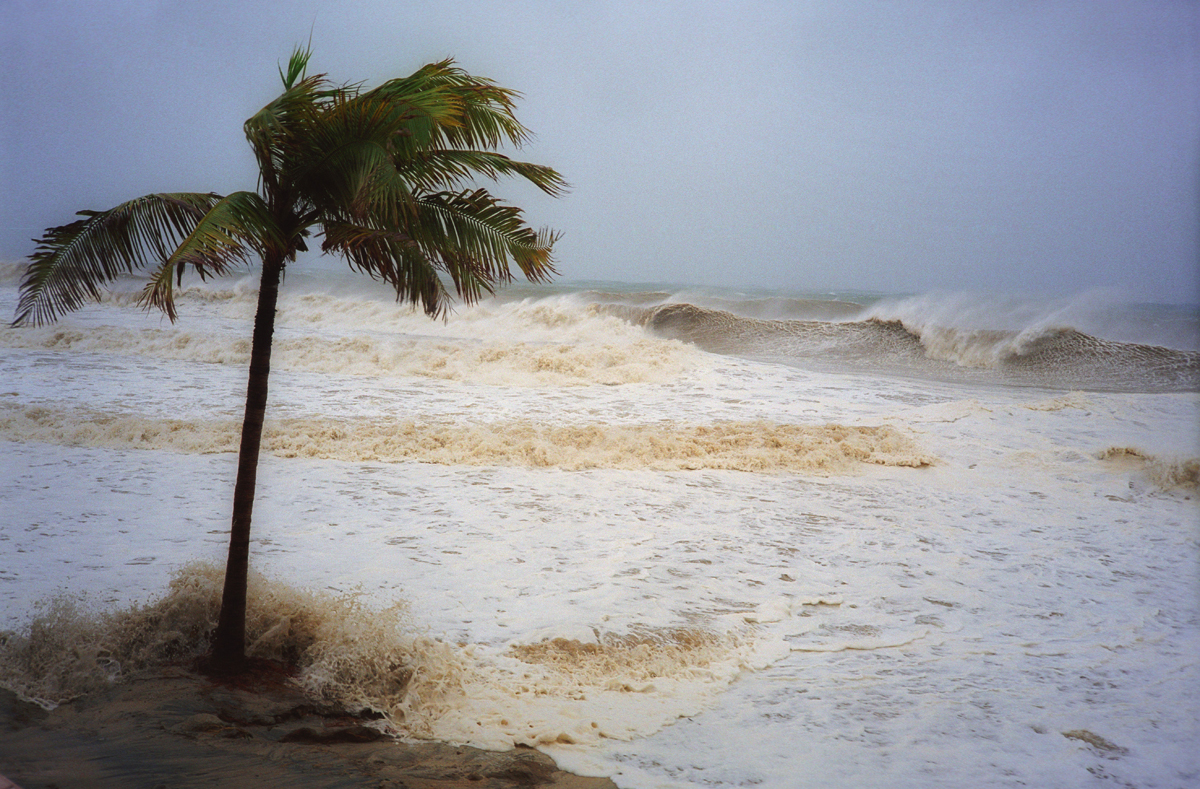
pixel 559 344
pixel 1023 603
pixel 494 363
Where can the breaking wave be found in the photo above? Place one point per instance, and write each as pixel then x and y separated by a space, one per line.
pixel 1165 473
pixel 575 337
pixel 1051 356
pixel 763 447
pixel 68 650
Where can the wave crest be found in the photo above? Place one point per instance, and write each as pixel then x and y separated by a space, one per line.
pixel 1043 355
pixel 1165 473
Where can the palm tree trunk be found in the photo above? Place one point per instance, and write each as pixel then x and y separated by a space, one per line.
pixel 229 642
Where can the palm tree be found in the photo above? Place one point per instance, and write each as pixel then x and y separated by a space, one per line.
pixel 381 175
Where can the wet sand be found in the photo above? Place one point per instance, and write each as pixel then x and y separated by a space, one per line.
pixel 177 728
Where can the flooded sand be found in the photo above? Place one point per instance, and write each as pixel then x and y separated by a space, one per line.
pixel 176 728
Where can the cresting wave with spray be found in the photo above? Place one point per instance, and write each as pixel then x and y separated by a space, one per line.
pixel 1054 356
pixel 582 335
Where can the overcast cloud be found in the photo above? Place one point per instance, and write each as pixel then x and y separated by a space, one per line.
pixel 992 145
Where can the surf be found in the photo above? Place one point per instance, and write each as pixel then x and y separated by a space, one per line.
pixel 1058 357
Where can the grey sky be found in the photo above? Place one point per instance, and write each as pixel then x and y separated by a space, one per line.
pixel 993 145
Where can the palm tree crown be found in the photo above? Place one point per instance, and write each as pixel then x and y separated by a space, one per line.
pixel 382 175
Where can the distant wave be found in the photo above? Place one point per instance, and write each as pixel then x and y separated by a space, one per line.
pixel 763 307
pixel 571 335
pixel 1056 357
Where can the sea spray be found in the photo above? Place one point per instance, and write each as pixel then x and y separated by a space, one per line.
pixel 68 649
pixel 552 691
pixel 1102 313
pixel 1181 474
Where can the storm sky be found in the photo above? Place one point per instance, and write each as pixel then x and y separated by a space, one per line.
pixel 1046 147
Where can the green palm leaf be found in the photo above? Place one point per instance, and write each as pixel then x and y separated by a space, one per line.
pixel 392 256
pixel 73 261
pixel 485 117
pixel 435 169
pixel 473 237
pixel 235 226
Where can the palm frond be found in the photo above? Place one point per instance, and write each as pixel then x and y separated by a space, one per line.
pixel 471 236
pixel 347 167
pixel 297 65
pixel 483 112
pixel 392 256
pixel 238 224
pixel 277 132
pixel 73 261
pixel 386 173
pixel 436 169
pixel 474 236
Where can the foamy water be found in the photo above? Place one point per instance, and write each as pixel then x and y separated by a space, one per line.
pixel 709 560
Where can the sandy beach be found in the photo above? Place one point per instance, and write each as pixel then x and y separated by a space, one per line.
pixel 178 728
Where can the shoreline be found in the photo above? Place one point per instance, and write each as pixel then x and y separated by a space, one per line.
pixel 177 728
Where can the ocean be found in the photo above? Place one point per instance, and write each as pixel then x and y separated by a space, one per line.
pixel 679 536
